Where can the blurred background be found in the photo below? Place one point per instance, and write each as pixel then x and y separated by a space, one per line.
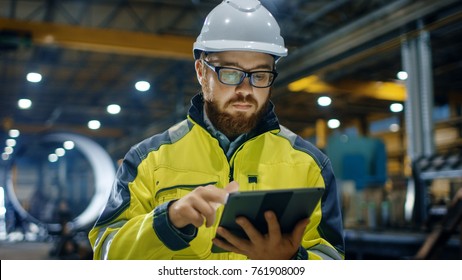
pixel 375 84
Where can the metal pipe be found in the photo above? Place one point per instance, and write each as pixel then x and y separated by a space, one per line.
pixel 426 89
pixel 412 103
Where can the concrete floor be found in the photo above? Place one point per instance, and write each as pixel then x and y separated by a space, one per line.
pixel 16 246
pixel 25 250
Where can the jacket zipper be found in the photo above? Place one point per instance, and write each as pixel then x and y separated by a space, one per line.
pixel 231 161
pixel 231 175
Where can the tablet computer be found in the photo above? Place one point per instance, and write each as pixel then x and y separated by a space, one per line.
pixel 289 205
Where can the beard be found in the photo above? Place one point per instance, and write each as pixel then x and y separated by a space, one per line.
pixel 232 125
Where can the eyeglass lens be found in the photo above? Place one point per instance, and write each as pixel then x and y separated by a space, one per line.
pixel 235 77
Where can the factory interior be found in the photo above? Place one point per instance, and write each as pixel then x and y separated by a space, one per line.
pixel 375 84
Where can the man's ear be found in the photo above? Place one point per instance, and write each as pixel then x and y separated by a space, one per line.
pixel 199 68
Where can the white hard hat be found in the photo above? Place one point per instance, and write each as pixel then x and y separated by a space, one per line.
pixel 240 25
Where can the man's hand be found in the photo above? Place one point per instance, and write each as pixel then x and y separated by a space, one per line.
pixel 273 245
pixel 199 205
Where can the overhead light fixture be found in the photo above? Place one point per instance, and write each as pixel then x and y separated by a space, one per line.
pixel 142 86
pixel 402 75
pixel 324 101
pixel 34 77
pixel 94 124
pixel 24 103
pixel 5 156
pixel 52 158
pixel 394 127
pixel 10 142
pixel 396 107
pixel 60 152
pixel 14 133
pixel 333 123
pixel 8 150
pixel 113 109
pixel 69 145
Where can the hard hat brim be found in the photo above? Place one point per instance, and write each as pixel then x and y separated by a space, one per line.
pixel 234 45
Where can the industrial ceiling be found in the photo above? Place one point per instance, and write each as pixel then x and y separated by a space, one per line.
pixel 91 53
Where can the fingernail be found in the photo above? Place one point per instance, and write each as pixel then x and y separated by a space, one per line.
pixel 215 205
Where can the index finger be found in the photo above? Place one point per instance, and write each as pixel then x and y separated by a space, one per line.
pixel 211 193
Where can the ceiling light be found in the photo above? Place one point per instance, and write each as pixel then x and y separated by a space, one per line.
pixel 324 101
pixel 5 156
pixel 394 127
pixel 402 75
pixel 24 103
pixel 10 142
pixel 60 152
pixel 69 145
pixel 113 109
pixel 52 158
pixel 94 124
pixel 13 133
pixel 34 77
pixel 9 150
pixel 396 107
pixel 142 86
pixel 333 123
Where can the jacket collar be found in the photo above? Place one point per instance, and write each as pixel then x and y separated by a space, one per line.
pixel 267 123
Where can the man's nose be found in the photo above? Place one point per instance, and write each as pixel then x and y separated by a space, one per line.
pixel 245 87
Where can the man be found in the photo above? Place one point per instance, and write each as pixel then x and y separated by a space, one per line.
pixel 166 199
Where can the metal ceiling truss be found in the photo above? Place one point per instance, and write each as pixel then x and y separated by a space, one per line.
pixel 96 50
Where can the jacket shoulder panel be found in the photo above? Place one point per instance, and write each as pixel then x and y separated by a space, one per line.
pixel 170 136
pixel 119 199
pixel 303 145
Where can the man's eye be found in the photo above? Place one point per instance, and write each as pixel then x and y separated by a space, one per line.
pixel 231 76
pixel 260 76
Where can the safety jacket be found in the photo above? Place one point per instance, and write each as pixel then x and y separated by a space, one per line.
pixel 167 166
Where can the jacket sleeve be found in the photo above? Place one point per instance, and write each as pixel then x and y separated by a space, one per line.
pixel 324 238
pixel 132 225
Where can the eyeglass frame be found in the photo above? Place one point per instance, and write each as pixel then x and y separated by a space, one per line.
pixel 247 74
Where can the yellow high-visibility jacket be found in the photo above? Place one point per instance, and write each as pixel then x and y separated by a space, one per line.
pixel 165 167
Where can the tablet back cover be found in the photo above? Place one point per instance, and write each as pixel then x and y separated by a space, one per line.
pixel 289 205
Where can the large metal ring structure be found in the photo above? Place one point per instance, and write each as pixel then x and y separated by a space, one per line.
pixel 103 170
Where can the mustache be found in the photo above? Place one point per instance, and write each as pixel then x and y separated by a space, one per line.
pixel 242 99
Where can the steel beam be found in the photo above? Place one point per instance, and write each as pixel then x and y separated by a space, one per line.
pixel 104 40
pixel 392 91
pixel 312 57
